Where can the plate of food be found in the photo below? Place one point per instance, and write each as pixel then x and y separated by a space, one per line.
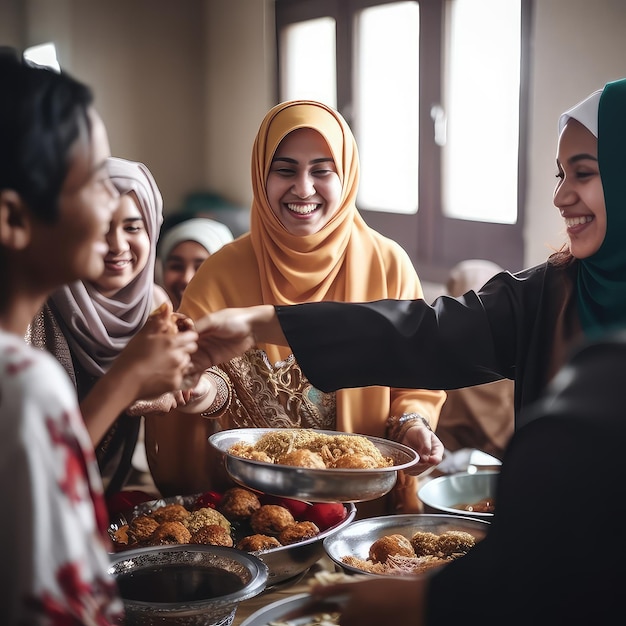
pixel 286 534
pixel 409 544
pixel 313 465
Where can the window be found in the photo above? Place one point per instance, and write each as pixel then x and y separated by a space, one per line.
pixel 434 91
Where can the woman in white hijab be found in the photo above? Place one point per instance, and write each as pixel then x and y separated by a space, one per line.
pixel 89 326
pixel 183 248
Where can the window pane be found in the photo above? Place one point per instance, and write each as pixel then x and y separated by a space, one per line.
pixel 307 59
pixel 386 106
pixel 482 85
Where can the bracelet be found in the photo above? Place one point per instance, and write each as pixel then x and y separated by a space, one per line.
pixel 223 395
pixel 398 426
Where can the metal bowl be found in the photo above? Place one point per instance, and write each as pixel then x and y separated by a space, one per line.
pixel 283 563
pixel 443 494
pixel 313 485
pixel 355 540
pixel 188 585
pixel 274 612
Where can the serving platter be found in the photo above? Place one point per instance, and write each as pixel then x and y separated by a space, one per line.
pixel 284 562
pixel 309 484
pixel 356 539
pixel 274 613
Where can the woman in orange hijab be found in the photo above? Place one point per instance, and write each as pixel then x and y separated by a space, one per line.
pixel 307 242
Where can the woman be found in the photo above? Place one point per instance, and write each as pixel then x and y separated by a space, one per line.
pixel 520 326
pixel 88 324
pixel 55 204
pixel 183 248
pixel 307 242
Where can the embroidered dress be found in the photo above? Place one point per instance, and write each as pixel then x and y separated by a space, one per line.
pixel 54 567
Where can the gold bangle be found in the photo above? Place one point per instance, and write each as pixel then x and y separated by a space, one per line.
pixel 397 426
pixel 223 395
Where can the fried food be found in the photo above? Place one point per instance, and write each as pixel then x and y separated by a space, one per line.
pixel 140 528
pixel 169 533
pixel 238 504
pixel 174 322
pixel 355 461
pixel 271 519
pixel 204 517
pixel 213 535
pixel 302 458
pixel 254 543
pixel 390 545
pixel 425 543
pixel 170 513
pixel 298 532
pixel 455 542
pixel 277 443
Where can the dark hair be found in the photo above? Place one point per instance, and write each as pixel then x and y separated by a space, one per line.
pixel 42 114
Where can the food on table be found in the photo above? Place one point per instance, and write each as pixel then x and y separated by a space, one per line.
pixel 168 533
pixel 254 543
pixel 277 522
pixel 298 531
pixel 390 545
pixel 396 554
pixel 239 504
pixel 484 505
pixel 213 535
pixel 271 519
pixel 335 451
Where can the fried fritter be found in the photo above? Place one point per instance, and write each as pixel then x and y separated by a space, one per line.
pixel 390 545
pixel 168 533
pixel 213 535
pixel 204 517
pixel 355 461
pixel 455 542
pixel 302 458
pixel 270 519
pixel 425 543
pixel 238 504
pixel 170 513
pixel 140 528
pixel 253 543
pixel 298 532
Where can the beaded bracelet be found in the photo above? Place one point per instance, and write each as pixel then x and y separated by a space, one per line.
pixel 398 426
pixel 223 395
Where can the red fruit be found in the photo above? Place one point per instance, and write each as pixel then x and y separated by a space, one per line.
pixel 326 514
pixel 298 508
pixel 124 501
pixel 208 500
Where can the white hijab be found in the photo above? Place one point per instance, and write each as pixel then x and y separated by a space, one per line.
pixel 98 328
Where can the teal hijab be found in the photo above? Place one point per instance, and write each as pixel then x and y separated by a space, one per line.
pixel 601 283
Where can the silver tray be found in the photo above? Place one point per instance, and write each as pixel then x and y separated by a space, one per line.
pixel 356 539
pixel 276 610
pixel 313 485
pixel 283 563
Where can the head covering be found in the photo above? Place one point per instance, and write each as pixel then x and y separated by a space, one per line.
pixel 339 262
pixel 211 235
pixel 97 328
pixel 601 283
pixel 471 274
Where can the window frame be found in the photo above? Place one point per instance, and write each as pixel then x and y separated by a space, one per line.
pixel 434 241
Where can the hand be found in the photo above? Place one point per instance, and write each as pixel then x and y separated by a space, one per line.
pixel 424 441
pixel 384 600
pixel 228 333
pixel 155 359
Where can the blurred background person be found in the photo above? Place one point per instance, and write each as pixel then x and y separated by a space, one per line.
pixel 182 249
pixel 480 417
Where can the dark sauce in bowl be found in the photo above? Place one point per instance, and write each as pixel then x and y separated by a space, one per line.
pixel 177 583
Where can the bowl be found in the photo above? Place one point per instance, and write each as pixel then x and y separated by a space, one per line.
pixel 186 585
pixel 356 539
pixel 454 494
pixel 284 562
pixel 274 613
pixel 313 485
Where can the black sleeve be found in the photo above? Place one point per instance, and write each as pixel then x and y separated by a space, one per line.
pixel 395 343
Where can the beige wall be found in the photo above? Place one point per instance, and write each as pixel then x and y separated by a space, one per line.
pixel 183 85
